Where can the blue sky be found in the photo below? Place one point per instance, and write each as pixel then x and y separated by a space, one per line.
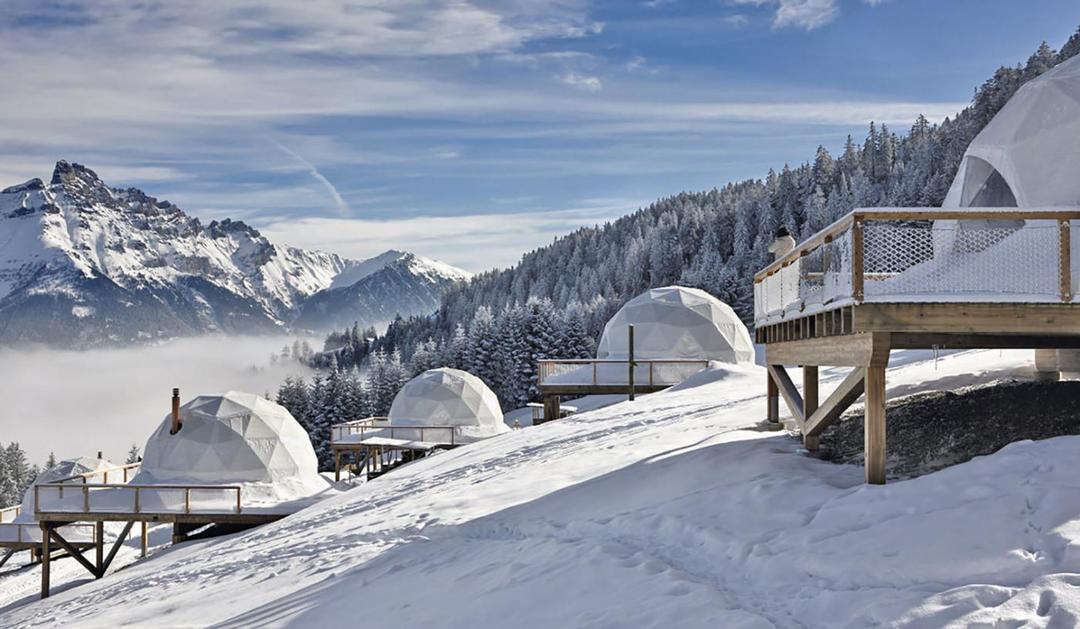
pixel 474 130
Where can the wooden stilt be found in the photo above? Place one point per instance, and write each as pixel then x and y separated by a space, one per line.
pixel 337 466
pixel 552 405
pixel 874 426
pixel 7 555
pixel 99 544
pixel 773 396
pixel 143 540
pixel 810 401
pixel 46 551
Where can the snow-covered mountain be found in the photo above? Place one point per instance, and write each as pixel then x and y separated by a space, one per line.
pixel 83 264
pixel 405 283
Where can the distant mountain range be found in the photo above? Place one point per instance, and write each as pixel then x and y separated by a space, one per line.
pixel 84 265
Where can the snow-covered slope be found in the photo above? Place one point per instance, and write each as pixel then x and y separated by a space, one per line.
pixel 405 284
pixel 669 511
pixel 85 264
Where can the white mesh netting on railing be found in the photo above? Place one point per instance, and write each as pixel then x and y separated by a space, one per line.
pixel 121 499
pixel 926 261
pixel 947 260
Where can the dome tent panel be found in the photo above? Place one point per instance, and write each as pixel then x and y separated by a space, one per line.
pixel 449 397
pixel 673 323
pixel 63 469
pixel 1031 143
pixel 231 439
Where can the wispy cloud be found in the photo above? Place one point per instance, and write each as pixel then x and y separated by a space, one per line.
pixel 474 242
pixel 807 14
pixel 339 202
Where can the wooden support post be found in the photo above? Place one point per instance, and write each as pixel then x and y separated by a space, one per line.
pixel 857 261
pixel 337 466
pixel 179 533
pixel 143 540
pixel 773 397
pixel 874 426
pixel 630 333
pixel 810 401
pixel 99 544
pixel 552 404
pixel 46 552
pixel 789 392
pixel 1065 260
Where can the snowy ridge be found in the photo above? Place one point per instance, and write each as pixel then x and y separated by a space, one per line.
pixel 83 264
pixel 669 511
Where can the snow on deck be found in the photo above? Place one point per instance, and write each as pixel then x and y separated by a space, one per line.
pixel 669 511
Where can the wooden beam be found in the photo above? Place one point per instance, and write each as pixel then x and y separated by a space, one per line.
pixel 840 400
pixel 849 350
pixel 788 391
pixel 552 405
pixel 103 566
pixel 143 540
pixel 810 394
pixel 857 260
pixel 928 340
pixel 46 552
pixel 772 398
pixel 874 426
pixel 8 555
pixel 63 543
pixel 99 543
pixel 1065 260
pixel 969 318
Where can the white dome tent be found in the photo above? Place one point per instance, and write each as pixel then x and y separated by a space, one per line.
pixel 677 323
pixel 1026 156
pixel 24 527
pixel 235 438
pixel 449 397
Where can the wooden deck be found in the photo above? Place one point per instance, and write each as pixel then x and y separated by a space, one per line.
pixel 188 508
pixel 576 378
pixel 879 280
pixel 376 446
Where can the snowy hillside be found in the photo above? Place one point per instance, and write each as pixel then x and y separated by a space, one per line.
pixel 84 264
pixel 672 511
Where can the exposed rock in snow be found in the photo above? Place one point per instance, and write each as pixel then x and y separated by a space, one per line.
pixel 84 264
pixel 931 431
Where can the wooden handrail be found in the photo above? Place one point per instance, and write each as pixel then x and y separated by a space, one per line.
pixel 137 489
pixel 913 214
pixel 84 476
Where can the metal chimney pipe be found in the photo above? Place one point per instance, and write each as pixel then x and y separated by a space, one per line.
pixel 175 412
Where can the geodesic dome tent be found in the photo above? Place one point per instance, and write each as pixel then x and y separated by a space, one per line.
pixel 63 469
pixel 230 439
pixel 449 397
pixel 677 323
pixel 1027 155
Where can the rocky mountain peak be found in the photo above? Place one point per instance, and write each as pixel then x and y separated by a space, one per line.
pixel 79 181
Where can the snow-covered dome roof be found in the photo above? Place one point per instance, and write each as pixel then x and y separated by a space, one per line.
pixel 449 397
pixel 63 469
pixel 675 322
pixel 1027 155
pixel 231 438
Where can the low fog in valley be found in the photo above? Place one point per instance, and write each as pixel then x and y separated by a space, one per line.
pixel 77 403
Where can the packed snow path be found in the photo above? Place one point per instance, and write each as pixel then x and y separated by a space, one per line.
pixel 669 511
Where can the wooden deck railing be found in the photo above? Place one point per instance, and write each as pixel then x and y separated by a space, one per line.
pixel 362 428
pixel 30 533
pixel 137 505
pixel 126 472
pixel 612 372
pixel 924 255
pixel 10 513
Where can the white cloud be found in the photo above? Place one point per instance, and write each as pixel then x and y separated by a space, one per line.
pixel 473 242
pixel 807 14
pixel 585 82
pixel 339 202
